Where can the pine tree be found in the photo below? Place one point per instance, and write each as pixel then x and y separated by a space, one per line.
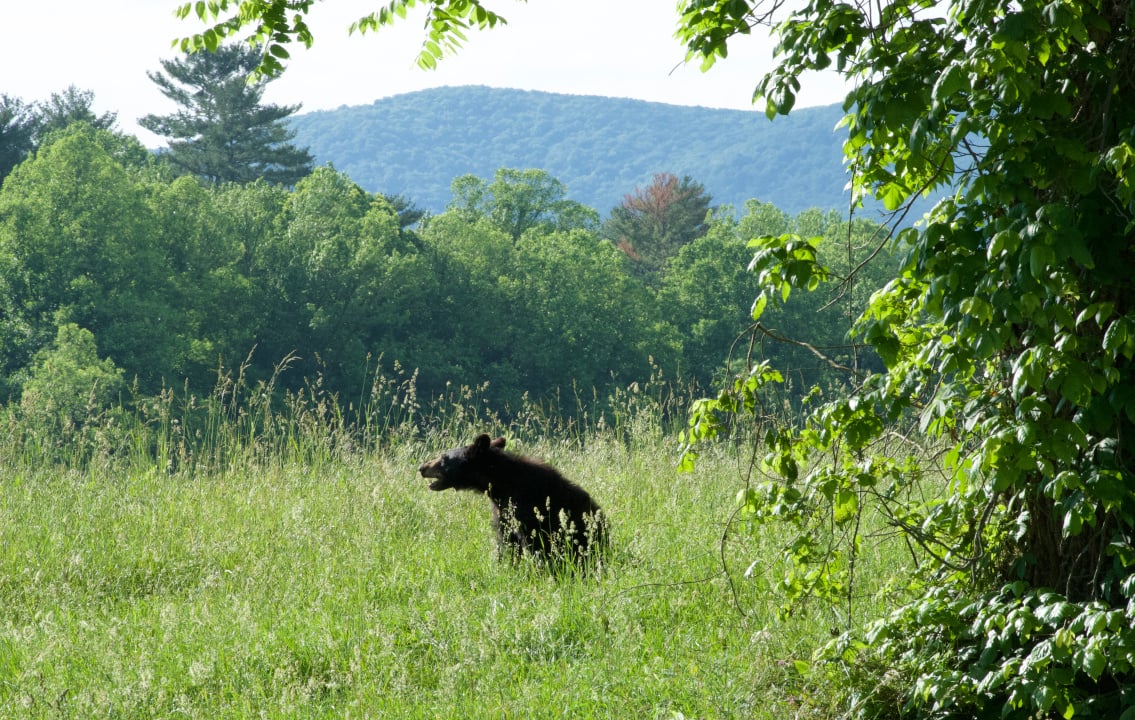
pixel 654 223
pixel 70 106
pixel 17 132
pixel 25 127
pixel 223 133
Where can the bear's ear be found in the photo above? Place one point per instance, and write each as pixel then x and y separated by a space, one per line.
pixel 481 444
pixel 498 443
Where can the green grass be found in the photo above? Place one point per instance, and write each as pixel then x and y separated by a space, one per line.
pixel 334 584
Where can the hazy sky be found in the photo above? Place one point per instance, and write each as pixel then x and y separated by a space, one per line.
pixel 618 48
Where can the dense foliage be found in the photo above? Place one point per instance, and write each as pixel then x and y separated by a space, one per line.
pixel 24 126
pixel 17 131
pixel 599 148
pixel 518 201
pixel 70 106
pixel 164 282
pixel 1008 338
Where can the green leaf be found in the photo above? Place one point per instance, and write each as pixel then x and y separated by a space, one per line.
pixel 1054 612
pixel 1116 335
pixel 1044 697
pixel 892 195
pixel 1073 523
pixel 1003 242
pixel 846 506
pixel 759 306
pixel 1093 662
pixel 977 308
pixel 1041 258
pixel 954 80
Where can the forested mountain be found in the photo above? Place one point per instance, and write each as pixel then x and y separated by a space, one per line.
pixel 600 148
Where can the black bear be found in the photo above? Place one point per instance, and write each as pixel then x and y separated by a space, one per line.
pixel 536 510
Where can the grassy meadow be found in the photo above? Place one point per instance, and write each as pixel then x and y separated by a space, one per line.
pixel 279 565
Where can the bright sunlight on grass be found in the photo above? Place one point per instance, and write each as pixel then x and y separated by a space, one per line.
pixel 236 559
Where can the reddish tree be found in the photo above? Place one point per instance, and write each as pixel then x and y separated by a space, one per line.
pixel 652 223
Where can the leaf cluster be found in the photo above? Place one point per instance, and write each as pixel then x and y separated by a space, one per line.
pixel 273 25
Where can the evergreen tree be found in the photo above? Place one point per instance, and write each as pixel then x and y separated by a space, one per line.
pixel 652 224
pixel 70 106
pixel 24 127
pixel 17 132
pixel 223 132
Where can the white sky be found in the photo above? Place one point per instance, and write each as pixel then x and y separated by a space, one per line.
pixel 616 48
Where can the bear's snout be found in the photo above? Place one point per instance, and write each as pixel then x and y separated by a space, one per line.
pixel 432 469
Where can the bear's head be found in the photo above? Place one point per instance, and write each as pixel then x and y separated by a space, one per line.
pixel 463 468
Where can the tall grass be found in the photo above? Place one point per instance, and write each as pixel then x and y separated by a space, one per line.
pixel 252 554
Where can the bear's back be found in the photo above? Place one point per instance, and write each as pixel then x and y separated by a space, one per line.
pixel 539 499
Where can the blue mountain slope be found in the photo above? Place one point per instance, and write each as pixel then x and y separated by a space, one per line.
pixel 600 148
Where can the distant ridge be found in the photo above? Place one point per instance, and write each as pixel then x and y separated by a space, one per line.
pixel 601 148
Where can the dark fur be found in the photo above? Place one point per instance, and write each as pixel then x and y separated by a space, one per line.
pixel 535 508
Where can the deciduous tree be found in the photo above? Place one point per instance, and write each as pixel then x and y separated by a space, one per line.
pixel 67 382
pixel 519 200
pixel 705 292
pixel 1008 336
pixel 343 282
pixel 70 106
pixel 78 244
pixel 25 126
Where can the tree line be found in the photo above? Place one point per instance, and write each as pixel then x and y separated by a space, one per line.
pixel 149 279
